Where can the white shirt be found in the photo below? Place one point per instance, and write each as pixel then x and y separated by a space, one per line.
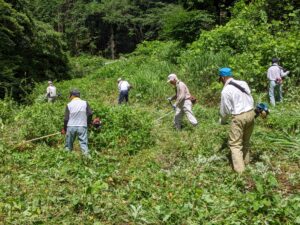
pixel 51 91
pixel 275 72
pixel 234 101
pixel 123 85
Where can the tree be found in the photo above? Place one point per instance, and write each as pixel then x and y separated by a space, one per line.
pixel 29 50
pixel 185 26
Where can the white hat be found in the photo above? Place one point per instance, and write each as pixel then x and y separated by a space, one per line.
pixel 119 79
pixel 50 82
pixel 171 77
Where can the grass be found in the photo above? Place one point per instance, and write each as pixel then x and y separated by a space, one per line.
pixel 167 177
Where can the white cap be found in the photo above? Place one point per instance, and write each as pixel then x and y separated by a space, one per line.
pixel 50 82
pixel 171 77
pixel 119 79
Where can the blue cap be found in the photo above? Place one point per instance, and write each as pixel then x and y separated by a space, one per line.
pixel 262 106
pixel 225 72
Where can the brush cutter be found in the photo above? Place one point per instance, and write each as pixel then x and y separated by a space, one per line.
pixel 40 138
pixel 167 112
pixel 164 115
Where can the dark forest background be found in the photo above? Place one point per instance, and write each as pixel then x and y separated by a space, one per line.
pixel 37 37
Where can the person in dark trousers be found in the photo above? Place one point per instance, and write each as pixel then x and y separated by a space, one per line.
pixel 78 115
pixel 275 75
pixel 124 88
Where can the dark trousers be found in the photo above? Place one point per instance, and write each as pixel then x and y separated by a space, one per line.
pixel 123 96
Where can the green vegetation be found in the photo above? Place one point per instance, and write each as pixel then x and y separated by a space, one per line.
pixel 30 51
pixel 142 171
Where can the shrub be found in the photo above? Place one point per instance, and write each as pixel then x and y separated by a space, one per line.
pixel 250 42
pixel 84 65
pixel 38 120
pixel 123 129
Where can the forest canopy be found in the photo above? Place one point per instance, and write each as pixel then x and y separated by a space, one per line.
pixel 38 36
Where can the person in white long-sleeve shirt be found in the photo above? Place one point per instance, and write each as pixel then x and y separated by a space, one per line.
pixel 237 102
pixel 124 88
pixel 275 74
pixel 51 92
pixel 183 103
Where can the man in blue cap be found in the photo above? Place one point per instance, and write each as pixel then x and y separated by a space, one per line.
pixel 237 102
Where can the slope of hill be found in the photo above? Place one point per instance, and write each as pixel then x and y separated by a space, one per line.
pixel 142 171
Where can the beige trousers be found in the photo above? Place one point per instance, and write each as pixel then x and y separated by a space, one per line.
pixel 239 139
pixel 186 108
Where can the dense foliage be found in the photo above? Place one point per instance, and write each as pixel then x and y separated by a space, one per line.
pixel 30 51
pixel 252 38
pixel 141 170
pixel 112 27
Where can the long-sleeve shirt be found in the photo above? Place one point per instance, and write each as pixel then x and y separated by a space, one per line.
pixel 234 101
pixel 51 91
pixel 276 72
pixel 182 93
pixel 78 113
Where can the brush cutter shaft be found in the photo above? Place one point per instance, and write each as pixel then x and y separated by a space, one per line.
pixel 164 115
pixel 39 138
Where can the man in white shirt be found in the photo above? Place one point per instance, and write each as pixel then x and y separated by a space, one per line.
pixel 237 102
pixel 183 102
pixel 51 92
pixel 275 75
pixel 124 88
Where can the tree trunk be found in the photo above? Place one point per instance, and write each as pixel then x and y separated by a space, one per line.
pixel 112 42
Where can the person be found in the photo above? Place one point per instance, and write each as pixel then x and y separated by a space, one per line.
pixel 237 102
pixel 275 74
pixel 51 92
pixel 124 88
pixel 78 115
pixel 183 102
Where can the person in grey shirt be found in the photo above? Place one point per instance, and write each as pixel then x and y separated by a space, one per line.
pixel 275 75
pixel 78 115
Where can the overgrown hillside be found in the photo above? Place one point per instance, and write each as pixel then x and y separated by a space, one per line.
pixel 142 171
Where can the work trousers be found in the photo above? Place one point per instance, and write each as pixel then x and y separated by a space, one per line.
pixel 272 91
pixel 51 99
pixel 82 133
pixel 239 139
pixel 186 108
pixel 123 96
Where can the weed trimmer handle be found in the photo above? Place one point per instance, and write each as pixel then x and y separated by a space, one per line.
pixel 170 101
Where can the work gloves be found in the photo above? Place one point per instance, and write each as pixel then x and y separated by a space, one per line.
pixel 173 105
pixel 63 132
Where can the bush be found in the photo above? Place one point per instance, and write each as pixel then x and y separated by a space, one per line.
pixel 249 43
pixel 123 129
pixel 161 51
pixel 38 120
pixel 84 65
pixel 8 108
